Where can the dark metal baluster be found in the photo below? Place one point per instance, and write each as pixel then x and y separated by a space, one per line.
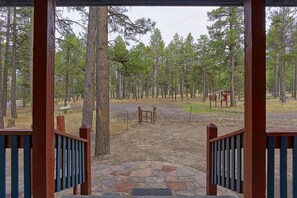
pixel 79 161
pixel 14 167
pixel 233 163
pixel 219 163
pixel 64 164
pixel 238 147
pixel 270 167
pixel 68 162
pixel 72 163
pixel 215 163
pixel 212 162
pixel 223 163
pixel 294 176
pixel 2 166
pixel 83 162
pixel 27 166
pixel 228 163
pixel 76 162
pixel 58 163
pixel 283 167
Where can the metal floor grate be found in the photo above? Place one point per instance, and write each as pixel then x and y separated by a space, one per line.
pixel 151 192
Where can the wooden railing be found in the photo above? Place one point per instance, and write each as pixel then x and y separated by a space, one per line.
pixel 11 140
pixel 72 162
pixel 73 159
pixel 225 162
pixel 283 141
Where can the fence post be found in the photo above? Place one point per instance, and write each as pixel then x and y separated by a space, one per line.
pixel 154 114
pixel 85 188
pixel 139 115
pixel 212 132
pixel 61 123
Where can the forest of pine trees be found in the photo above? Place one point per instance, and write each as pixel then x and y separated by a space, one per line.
pixel 89 66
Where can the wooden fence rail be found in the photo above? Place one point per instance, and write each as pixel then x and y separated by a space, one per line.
pixel 147 116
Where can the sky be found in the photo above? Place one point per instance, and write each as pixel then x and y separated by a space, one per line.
pixel 169 20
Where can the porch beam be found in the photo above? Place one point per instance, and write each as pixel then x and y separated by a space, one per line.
pixel 148 2
pixel 255 99
pixel 43 99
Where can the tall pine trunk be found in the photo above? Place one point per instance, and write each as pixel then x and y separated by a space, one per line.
pixel 67 83
pixel 204 86
pixel 13 68
pixel 154 80
pixel 102 144
pixel 6 61
pixel 295 81
pixel 1 92
pixel 31 36
pixel 119 86
pixel 275 84
pixel 232 88
pixel 88 105
pixel 282 82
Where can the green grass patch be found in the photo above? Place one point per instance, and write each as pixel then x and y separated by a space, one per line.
pixel 200 107
pixel 273 105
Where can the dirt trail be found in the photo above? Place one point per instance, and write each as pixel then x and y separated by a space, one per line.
pixel 176 140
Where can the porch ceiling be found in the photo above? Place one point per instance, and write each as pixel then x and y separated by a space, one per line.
pixel 148 2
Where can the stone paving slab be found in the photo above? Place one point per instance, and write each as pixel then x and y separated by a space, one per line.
pixel 183 180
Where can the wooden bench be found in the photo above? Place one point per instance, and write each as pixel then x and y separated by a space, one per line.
pixel 66 108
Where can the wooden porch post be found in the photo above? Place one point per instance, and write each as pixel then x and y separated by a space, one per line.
pixel 255 99
pixel 43 99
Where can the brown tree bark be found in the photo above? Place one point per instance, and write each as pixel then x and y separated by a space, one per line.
pixel 275 85
pixel 295 82
pixel 181 84
pixel 282 73
pixel 102 144
pixel 13 68
pixel 204 86
pixel 6 61
pixel 1 92
pixel 31 36
pixel 119 86
pixel 232 88
pixel 67 76
pixel 282 82
pixel 88 104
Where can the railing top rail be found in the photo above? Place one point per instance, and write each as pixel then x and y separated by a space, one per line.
pixel 235 133
pixel 20 132
pixel 70 136
pixel 281 133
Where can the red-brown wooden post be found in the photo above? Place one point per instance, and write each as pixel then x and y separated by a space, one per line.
pixel 255 99
pixel 154 114
pixel 61 123
pixel 212 132
pixel 139 115
pixel 85 188
pixel 43 99
pixel 75 190
pixel 226 92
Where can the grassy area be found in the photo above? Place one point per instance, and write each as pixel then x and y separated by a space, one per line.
pixel 273 105
pixel 72 120
pixel 117 125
